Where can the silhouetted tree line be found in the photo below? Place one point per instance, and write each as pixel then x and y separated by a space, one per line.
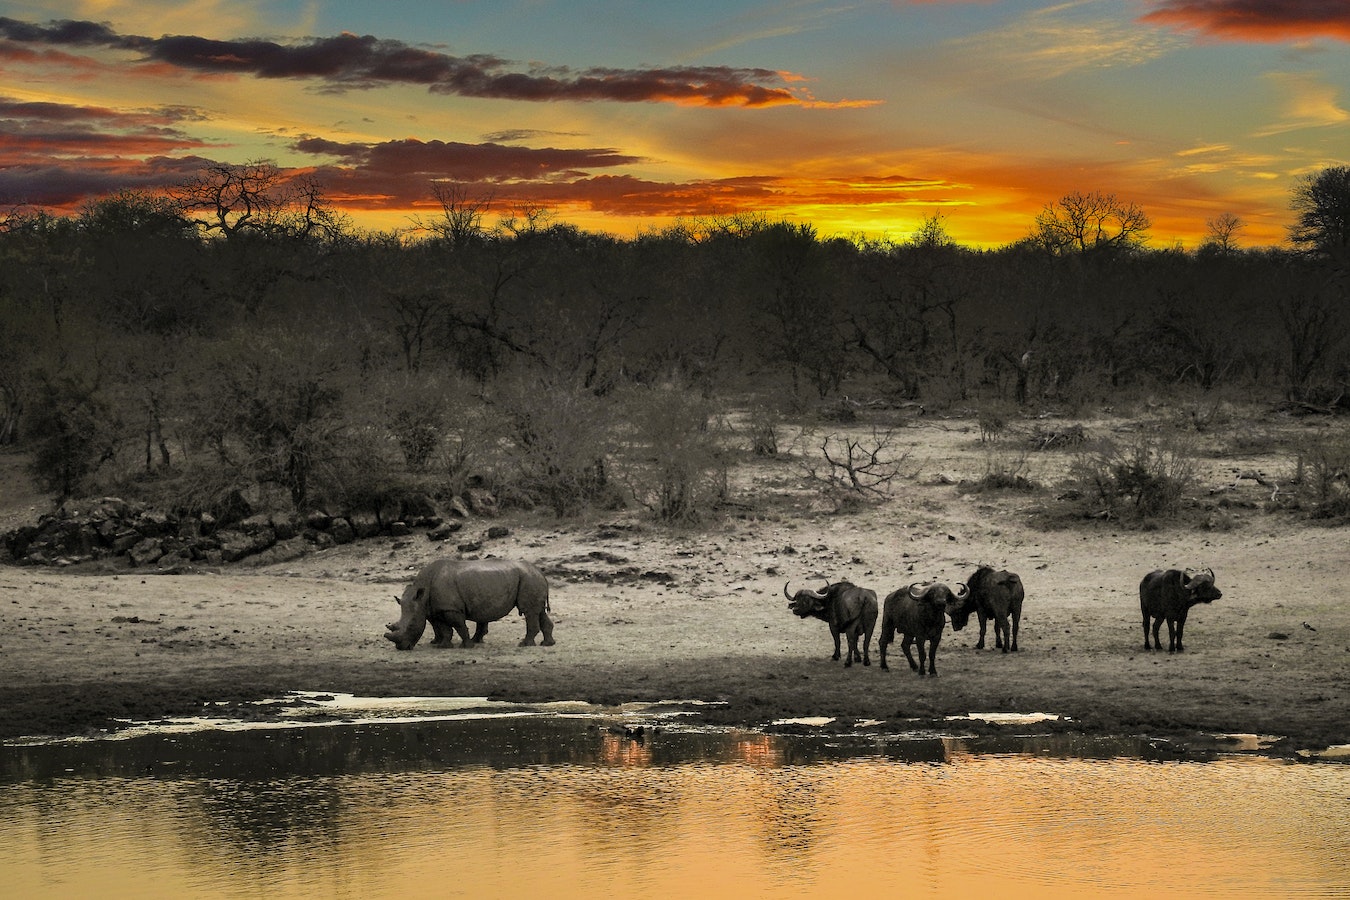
pixel 239 335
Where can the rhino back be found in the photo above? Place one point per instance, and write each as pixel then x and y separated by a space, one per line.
pixel 484 590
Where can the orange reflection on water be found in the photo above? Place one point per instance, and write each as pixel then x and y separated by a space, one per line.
pixel 625 751
pixel 743 824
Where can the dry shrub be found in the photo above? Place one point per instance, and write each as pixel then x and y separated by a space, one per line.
pixel 555 443
pixel 677 462
pixel 1057 437
pixel 851 470
pixel 1144 478
pixel 1322 476
pixel 1006 468
pixel 763 425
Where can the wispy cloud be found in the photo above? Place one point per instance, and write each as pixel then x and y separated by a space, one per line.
pixel 1265 21
pixel 349 62
pixel 1309 103
pixel 1059 40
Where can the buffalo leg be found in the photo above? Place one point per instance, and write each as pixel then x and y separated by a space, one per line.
pixel 1002 636
pixel 1181 625
pixel 905 643
pixel 1016 626
pixel 932 656
pixel 882 642
pixel 984 620
pixel 1157 641
pixel 1171 636
pixel 834 633
pixel 850 647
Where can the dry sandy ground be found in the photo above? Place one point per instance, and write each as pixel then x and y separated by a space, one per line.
pixel 646 613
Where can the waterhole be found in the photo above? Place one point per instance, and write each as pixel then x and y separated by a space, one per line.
pixel 565 804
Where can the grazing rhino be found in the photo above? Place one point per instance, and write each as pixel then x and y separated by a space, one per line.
pixel 450 593
pixel 920 614
pixel 1169 596
pixel 849 610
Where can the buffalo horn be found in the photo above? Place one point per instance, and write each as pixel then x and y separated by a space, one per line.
pixel 963 593
pixel 916 594
pixel 785 590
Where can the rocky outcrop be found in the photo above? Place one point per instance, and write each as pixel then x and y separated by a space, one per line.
pixel 111 528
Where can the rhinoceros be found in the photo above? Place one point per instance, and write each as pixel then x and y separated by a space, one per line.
pixel 450 593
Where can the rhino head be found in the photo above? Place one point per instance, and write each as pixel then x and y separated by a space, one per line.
pixel 407 631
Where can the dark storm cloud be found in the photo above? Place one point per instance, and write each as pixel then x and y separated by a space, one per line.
pixel 464 161
pixel 44 111
pixel 58 184
pixel 1255 20
pixel 362 61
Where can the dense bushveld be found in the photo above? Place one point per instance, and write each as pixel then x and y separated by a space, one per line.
pixel 322 369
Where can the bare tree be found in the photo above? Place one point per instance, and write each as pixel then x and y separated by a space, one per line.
pixel 1223 229
pixel 461 221
pixel 1092 222
pixel 233 200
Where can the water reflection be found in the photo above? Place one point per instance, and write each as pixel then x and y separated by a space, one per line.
pixel 564 807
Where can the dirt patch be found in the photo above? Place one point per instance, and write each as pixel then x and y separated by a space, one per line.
pixel 644 613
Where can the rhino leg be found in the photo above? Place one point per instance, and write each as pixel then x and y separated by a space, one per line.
pixel 536 623
pixel 444 636
pixel 480 632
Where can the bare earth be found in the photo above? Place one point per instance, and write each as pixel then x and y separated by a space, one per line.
pixel 647 613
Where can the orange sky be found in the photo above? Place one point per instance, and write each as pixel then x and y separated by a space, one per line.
pixel 865 118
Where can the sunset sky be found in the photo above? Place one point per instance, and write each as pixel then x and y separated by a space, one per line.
pixel 856 116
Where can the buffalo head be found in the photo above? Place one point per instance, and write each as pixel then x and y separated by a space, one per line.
pixel 1200 587
pixel 940 597
pixel 807 602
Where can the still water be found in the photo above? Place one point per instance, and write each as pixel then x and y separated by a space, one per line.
pixel 569 806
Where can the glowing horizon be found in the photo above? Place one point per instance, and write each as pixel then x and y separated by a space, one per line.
pixel 862 120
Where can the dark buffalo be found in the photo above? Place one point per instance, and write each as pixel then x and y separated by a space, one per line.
pixel 849 610
pixel 996 595
pixel 450 593
pixel 920 614
pixel 1169 596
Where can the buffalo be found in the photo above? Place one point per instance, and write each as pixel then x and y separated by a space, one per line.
pixel 849 610
pixel 450 593
pixel 1169 596
pixel 994 595
pixel 919 614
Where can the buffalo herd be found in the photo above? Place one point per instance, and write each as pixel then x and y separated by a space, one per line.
pixel 919 613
